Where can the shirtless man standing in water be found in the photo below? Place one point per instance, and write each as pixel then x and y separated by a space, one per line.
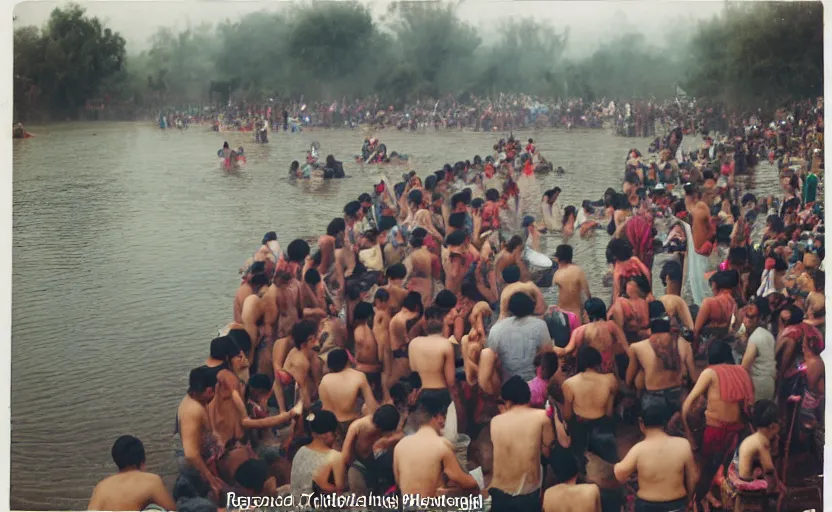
pixel 520 434
pixel 571 282
pixel 131 488
pixel 420 460
pixel 664 464
pixel 339 391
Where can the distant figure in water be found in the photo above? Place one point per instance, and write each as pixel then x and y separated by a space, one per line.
pixel 132 488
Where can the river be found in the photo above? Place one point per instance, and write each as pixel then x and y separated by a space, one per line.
pixel 127 241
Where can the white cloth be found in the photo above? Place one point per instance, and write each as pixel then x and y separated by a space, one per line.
pixel 696 266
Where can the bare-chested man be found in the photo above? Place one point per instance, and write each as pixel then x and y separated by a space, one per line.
pixel 511 254
pixel 520 434
pixel 569 495
pixel 511 277
pixel 664 464
pixel 603 335
pixel 396 275
pixel 331 270
pixel 298 364
pixel 432 356
pixel 588 406
pixel 247 288
pixel 729 393
pixel 252 314
pixel 193 431
pixel 703 233
pixel 400 328
pixel 367 436
pixel 312 297
pixel 339 392
pixel 420 270
pixel 420 460
pixel 571 282
pixel 369 353
pixel 676 307
pixel 132 488
pixel 662 362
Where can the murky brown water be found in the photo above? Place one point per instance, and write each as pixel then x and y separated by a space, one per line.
pixel 127 242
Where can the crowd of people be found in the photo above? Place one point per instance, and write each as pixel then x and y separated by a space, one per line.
pixel 412 351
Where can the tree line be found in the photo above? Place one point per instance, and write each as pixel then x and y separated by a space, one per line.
pixel 752 55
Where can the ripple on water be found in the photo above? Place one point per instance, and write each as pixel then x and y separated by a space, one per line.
pixel 125 256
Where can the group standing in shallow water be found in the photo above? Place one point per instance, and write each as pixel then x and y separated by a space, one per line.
pixel 414 343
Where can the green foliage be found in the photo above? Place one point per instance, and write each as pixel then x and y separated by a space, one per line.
pixel 760 55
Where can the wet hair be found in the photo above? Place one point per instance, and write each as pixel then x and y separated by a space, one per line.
pixel 796 316
pixel 386 222
pixel 748 198
pixel 252 474
pixel 563 253
pixel 240 338
pixel 260 381
pixel 271 236
pixel 720 353
pixel 656 414
pixel 386 418
pixel 259 279
pixel 223 348
pixel 336 226
pixel 516 391
pixel 302 331
pixel 396 271
pixel 521 305
pixel 588 357
pixel 642 283
pixel 738 255
pixel 445 299
pixel 671 270
pixel 565 466
pixel 548 362
pixel 430 184
pixel 456 238
pixel 201 379
pixel 381 295
pixel 511 274
pixel 312 277
pixel 128 451
pixel 458 198
pixel 725 279
pixel 413 302
pixel 363 311
pixel 595 309
pixel 476 203
pixel 297 251
pixel 513 243
pixel 323 422
pixel 764 415
pixel 457 220
pixel 435 402
pixel 353 291
pixel 415 196
pixel 569 210
pixel 492 194
pixel 659 321
pixel 337 360
pixel 416 242
pixel 434 319
pixel 352 208
pixel 619 250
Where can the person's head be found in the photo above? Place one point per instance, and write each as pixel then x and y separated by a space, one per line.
pixel 521 305
pixel 764 419
pixel 381 300
pixel 323 425
pixel 258 281
pixel 511 274
pixel 297 250
pixel 336 228
pixel 363 312
pixel 595 309
pixel 413 302
pixel 396 273
pixel 492 194
pixel 724 280
pixel 755 312
pixel 224 349
pixel 240 338
pixel 259 386
pixel 513 243
pixel 434 319
pixel 252 475
pixel 563 254
pixel 516 391
pixel 128 453
pixel 588 358
pixel 548 364
pixel 795 315
pixel 445 300
pixel 337 360
pixel 655 416
pixel 619 250
pixel 720 353
pixel 565 466
pixel 638 287
pixel 304 335
pixel 353 292
pixel 671 272
pixel 386 418
pixel 434 404
pixel 659 321
pixel 201 384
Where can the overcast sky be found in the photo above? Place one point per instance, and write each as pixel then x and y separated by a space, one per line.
pixel 591 22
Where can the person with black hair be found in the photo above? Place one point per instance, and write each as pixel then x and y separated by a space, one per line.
pixel 625 265
pixel 700 241
pixel 422 271
pixel 602 334
pixel 331 267
pixel 794 339
pixel 435 454
pixel 759 358
pixel 511 277
pixel 730 395
pixel 339 391
pixel 252 316
pixel 552 211
pixel 568 495
pixel 312 296
pixel 713 322
pixel 404 326
pixel 664 361
pixel 369 354
pixel 676 307
pixel 395 275
pixel 432 355
pixel 317 467
pixel 194 431
pixel 630 313
pixel 299 363
pixel 571 282
pixel 511 254
pixel 755 450
pixel 254 279
pixel 664 464
pixel 588 406
pixel 132 488
pixel 520 434
pixel 368 450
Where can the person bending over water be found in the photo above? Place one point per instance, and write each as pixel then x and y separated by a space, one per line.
pixel 132 488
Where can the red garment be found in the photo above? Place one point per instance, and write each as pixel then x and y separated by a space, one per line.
pixel 805 333
pixel 719 441
pixel 734 384
pixel 639 231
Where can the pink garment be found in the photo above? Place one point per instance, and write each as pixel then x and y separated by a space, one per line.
pixel 538 388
